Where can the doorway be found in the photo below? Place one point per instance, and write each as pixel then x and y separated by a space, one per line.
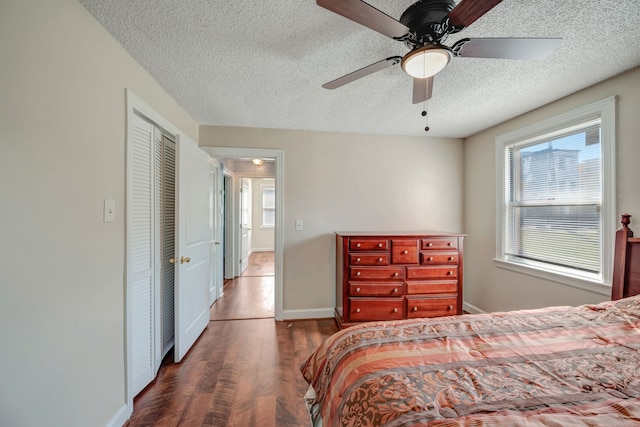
pixel 231 183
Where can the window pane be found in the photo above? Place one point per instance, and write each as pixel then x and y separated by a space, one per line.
pixel 268 217
pixel 554 198
pixel 268 198
pixel 561 235
pixel 268 206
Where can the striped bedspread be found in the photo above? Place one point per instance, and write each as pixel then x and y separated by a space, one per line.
pixel 557 366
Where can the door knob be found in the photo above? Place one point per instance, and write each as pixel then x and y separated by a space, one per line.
pixel 217 243
pixel 184 259
pixel 172 260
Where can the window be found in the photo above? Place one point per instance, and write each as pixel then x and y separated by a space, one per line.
pixel 268 206
pixel 556 197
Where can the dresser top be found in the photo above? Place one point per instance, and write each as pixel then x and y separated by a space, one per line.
pixel 396 233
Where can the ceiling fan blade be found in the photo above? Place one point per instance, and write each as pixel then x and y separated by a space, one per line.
pixel 369 69
pixel 422 89
pixel 507 48
pixel 468 11
pixel 366 15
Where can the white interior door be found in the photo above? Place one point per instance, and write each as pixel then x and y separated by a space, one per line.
pixel 192 241
pixel 168 250
pixel 245 223
pixel 217 251
pixel 140 246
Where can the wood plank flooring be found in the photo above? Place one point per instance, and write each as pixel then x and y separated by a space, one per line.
pixel 239 373
pixel 250 296
pixel 245 298
pixel 260 264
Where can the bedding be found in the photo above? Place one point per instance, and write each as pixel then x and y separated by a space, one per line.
pixel 556 366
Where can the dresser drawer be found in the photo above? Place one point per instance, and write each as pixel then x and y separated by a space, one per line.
pixel 432 287
pixel 436 272
pixel 432 307
pixel 375 289
pixel 378 259
pixel 368 244
pixel 439 243
pixel 365 309
pixel 376 273
pixel 435 258
pixel 404 251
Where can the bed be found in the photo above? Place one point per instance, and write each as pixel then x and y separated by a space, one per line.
pixel 556 366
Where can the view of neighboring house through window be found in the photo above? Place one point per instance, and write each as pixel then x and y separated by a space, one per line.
pixel 556 213
pixel 268 206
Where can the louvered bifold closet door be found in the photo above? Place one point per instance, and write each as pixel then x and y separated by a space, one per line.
pixel 140 262
pixel 168 245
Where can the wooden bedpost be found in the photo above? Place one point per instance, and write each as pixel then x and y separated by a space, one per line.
pixel 620 258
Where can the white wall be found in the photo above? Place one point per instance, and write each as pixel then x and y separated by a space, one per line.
pixel 262 239
pixel 62 124
pixel 490 288
pixel 341 182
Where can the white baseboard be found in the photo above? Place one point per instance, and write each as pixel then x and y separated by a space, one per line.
pixel 120 417
pixel 471 308
pixel 314 313
pixel 263 250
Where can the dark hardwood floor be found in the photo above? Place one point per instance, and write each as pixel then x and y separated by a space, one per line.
pixel 239 373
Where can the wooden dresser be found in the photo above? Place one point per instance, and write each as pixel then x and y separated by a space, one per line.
pixel 397 276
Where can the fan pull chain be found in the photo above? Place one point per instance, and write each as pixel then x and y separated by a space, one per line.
pixel 426 118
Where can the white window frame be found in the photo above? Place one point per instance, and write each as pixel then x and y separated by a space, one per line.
pixel 262 188
pixel 598 283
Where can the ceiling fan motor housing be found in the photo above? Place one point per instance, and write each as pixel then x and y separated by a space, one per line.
pixel 424 15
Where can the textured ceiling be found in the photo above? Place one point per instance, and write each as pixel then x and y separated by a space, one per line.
pixel 262 63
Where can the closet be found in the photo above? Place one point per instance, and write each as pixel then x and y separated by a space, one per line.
pixel 151 240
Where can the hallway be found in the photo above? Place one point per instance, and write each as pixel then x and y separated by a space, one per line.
pixel 250 296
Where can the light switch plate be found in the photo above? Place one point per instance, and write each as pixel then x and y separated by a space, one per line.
pixel 299 225
pixel 109 210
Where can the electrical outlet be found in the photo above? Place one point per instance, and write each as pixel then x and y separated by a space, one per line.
pixel 299 225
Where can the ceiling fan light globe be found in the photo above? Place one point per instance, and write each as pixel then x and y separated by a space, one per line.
pixel 426 61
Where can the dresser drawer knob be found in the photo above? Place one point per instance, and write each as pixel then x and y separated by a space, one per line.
pixel 358 245
pixel 357 273
pixel 429 244
pixel 357 289
pixel 415 308
pixel 449 273
pixel 357 310
pixel 357 259
pixel 450 258
pixel 395 290
pixel 379 259
pixel 430 258
pixel 379 245
pixel 449 244
pixel 395 310
pixel 450 308
pixel 396 274
pixel 405 252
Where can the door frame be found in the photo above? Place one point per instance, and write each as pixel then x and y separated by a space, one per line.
pixel 278 155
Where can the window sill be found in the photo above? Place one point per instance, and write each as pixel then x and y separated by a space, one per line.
pixel 573 281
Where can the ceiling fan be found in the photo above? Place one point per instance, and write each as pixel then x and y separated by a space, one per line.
pixel 423 28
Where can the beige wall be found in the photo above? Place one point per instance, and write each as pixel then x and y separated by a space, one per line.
pixel 261 238
pixel 62 124
pixel 340 182
pixel 490 288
